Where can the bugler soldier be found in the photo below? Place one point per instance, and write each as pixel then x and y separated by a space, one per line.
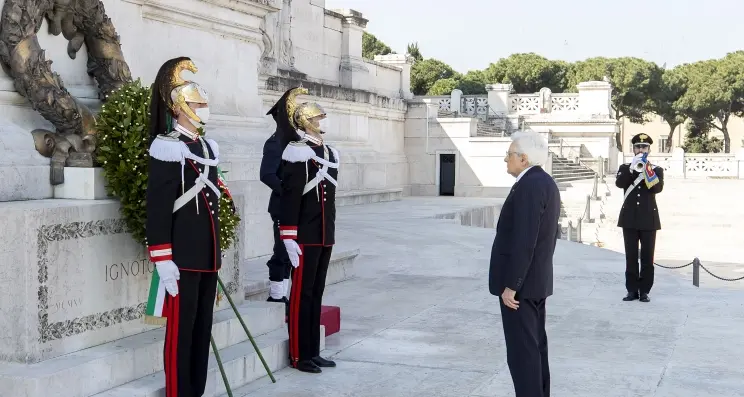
pixel 307 221
pixel 639 217
pixel 183 231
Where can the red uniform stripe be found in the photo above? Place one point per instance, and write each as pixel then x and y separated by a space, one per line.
pixel 294 310
pixel 168 336
pixel 174 348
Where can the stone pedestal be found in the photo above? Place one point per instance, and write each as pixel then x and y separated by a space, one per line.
pixel 354 73
pixel 498 98
pixel 595 98
pixel 82 184
pixel 74 278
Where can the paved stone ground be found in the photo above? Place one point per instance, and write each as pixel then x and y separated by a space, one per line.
pixel 417 320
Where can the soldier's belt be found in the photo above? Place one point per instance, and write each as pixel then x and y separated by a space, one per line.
pixel 322 174
pixel 633 186
pixel 201 182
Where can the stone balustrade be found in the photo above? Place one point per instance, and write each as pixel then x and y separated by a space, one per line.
pixel 679 164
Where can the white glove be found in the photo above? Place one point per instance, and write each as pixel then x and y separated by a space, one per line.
pixel 168 272
pixel 637 159
pixel 293 251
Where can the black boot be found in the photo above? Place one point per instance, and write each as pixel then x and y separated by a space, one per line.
pixel 644 297
pixel 322 362
pixel 308 366
pixel 631 296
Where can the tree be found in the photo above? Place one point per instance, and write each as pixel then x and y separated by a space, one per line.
pixel 414 52
pixel 425 73
pixel 697 139
pixel 371 46
pixel 670 90
pixel 444 86
pixel 528 73
pixel 634 84
pixel 715 91
pixel 473 83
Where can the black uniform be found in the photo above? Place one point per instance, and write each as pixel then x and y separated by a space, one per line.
pixel 190 238
pixel 271 174
pixel 639 218
pixel 183 226
pixel 309 218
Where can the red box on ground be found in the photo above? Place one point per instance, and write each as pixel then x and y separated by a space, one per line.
pixel 330 317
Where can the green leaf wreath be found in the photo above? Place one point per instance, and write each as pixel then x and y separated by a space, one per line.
pixel 122 153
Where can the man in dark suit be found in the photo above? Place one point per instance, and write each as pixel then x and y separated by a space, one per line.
pixel 639 218
pixel 279 265
pixel 521 270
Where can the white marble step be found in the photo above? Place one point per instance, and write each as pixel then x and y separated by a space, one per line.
pixel 241 363
pixel 100 368
pixel 256 279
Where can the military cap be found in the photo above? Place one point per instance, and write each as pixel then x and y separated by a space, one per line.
pixel 642 138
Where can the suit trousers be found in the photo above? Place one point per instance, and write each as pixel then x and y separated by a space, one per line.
pixel 188 333
pixel 279 264
pixel 305 298
pixel 527 347
pixel 636 281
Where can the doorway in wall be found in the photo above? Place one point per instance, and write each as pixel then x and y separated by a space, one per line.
pixel 447 174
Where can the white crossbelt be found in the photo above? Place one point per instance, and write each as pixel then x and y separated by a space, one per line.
pixel 633 186
pixel 202 180
pixel 322 174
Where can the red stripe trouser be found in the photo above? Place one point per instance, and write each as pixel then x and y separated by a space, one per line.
pixel 306 296
pixel 188 333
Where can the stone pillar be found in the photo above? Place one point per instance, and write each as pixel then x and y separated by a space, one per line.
pixel 405 62
pixel 595 99
pixel 354 73
pixel 498 98
pixel 456 101
pixel 740 163
pixel 677 163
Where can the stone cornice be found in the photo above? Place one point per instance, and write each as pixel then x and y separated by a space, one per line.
pixel 200 18
pixel 281 84
pixel 258 8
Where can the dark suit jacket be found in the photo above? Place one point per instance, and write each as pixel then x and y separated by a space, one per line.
pixel 639 210
pixel 271 171
pixel 526 234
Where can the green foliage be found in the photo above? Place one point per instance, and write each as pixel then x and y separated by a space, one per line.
pixel 371 47
pixel 698 139
pixel 122 151
pixel 414 52
pixel 443 86
pixel 425 73
pixel 123 138
pixel 528 73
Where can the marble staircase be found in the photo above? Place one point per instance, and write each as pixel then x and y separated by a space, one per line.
pixel 565 170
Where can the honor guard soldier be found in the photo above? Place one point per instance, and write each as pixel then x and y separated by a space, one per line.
pixel 183 230
pixel 639 217
pixel 307 221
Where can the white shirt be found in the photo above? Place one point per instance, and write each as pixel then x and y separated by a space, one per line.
pixel 521 174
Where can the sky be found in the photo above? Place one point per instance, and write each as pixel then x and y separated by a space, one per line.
pixel 470 34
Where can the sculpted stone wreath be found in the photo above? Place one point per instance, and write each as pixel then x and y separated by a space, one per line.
pixel 80 22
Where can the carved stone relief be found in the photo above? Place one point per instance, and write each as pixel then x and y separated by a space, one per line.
pixel 286 54
pixel 80 21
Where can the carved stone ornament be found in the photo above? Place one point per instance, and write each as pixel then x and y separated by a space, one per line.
pixel 79 21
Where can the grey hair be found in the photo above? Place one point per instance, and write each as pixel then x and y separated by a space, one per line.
pixel 533 145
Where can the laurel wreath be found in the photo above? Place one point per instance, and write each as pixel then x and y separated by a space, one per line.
pixel 122 126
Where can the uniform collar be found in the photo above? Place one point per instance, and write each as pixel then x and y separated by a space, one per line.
pixel 311 138
pixel 183 131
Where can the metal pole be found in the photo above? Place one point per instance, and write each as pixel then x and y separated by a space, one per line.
pixel 596 185
pixel 696 272
pixel 245 328
pixel 222 369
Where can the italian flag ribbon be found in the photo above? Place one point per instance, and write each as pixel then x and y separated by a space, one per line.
pixel 155 301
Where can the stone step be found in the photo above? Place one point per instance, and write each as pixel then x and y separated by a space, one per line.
pixel 107 366
pixel 257 283
pixel 572 178
pixel 356 197
pixel 241 363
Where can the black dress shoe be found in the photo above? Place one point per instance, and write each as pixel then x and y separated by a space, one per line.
pixel 631 296
pixel 322 362
pixel 308 366
pixel 286 305
pixel 644 298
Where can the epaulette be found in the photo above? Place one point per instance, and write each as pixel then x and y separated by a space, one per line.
pixel 166 148
pixel 298 152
